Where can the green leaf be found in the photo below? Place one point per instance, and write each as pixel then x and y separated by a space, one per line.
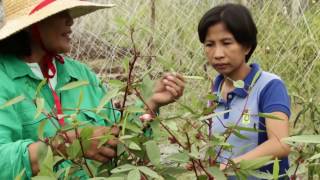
pixel 80 99
pixel 153 152
pixel 40 107
pixel 210 116
pixel 12 101
pixel 133 127
pixel 216 173
pixel 134 146
pixel 46 166
pixel 21 174
pixel 40 86
pixel 147 87
pixel 241 128
pixel 179 157
pixel 125 137
pixel 134 174
pixel 107 98
pixel 239 135
pixel 43 178
pixel 123 168
pixel 74 85
pixel 155 126
pixel 276 169
pixel 238 84
pixel 116 83
pixel 105 139
pixel 194 77
pixel 41 128
pixel 74 149
pixel 309 139
pixel 147 171
pixel 85 136
pixel 269 116
pixel 316 156
pixel 134 109
pixel 255 163
pixel 260 175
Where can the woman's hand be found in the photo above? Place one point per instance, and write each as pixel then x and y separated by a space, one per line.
pixel 167 90
pixel 106 151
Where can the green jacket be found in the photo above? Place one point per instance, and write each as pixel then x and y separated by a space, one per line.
pixel 18 127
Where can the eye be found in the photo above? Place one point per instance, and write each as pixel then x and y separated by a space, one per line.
pixel 227 42
pixel 208 44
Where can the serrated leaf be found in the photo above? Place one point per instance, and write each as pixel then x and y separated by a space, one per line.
pixel 40 107
pixel 107 98
pixel 179 157
pixel 74 85
pixel 312 139
pixel 134 146
pixel 41 129
pixel 216 173
pixel 74 149
pixel 255 163
pixel 269 116
pixel 123 168
pixel 276 169
pixel 147 171
pixel 12 101
pixel 46 166
pixel 134 174
pixel 153 152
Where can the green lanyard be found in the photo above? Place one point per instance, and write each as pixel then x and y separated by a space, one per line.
pixel 246 114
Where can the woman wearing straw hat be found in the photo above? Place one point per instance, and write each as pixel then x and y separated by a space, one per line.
pixel 34 34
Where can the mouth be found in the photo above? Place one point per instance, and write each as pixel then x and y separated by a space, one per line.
pixel 220 66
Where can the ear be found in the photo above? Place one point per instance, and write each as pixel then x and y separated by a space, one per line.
pixel 247 49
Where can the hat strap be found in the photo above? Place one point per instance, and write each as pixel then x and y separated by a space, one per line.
pixel 41 5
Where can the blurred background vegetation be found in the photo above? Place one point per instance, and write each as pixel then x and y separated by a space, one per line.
pixel 288 45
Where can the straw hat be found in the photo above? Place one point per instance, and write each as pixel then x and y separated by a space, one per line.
pixel 20 14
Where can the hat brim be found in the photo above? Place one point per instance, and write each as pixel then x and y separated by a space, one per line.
pixel 76 9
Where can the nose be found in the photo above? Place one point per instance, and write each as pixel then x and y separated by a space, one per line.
pixel 218 53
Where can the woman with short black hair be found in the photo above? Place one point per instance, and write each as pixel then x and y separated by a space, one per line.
pixel 229 36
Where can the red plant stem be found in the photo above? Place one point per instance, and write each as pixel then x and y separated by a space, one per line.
pixel 82 150
pixel 131 67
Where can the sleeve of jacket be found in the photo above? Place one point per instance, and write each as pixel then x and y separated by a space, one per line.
pixel 13 147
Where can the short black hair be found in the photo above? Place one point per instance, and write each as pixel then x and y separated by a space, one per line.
pixel 18 44
pixel 237 19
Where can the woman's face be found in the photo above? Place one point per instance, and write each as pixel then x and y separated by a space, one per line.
pixel 223 52
pixel 55 32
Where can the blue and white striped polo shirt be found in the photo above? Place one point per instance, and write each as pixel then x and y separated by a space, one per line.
pixel 268 95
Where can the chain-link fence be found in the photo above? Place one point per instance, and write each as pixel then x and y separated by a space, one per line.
pixel 289 40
